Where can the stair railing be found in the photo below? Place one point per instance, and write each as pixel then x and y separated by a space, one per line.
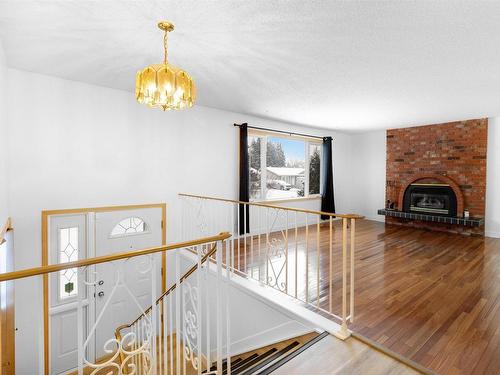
pixel 141 348
pixel 306 254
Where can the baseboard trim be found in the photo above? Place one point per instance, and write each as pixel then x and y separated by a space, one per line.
pixel 398 357
pixel 492 234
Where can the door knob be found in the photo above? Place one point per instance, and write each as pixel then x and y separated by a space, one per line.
pixel 100 282
pixel 100 294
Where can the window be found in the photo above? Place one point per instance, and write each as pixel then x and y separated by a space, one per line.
pixel 130 225
pixel 282 168
pixel 68 252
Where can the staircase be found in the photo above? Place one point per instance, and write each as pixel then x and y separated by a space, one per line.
pixel 266 359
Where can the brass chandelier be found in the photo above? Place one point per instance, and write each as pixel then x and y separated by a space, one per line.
pixel 163 85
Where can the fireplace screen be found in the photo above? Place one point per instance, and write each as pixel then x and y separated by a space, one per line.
pixel 434 199
pixel 435 203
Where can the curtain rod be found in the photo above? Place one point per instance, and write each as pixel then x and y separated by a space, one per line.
pixel 281 131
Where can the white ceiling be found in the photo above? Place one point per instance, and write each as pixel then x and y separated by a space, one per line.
pixel 349 65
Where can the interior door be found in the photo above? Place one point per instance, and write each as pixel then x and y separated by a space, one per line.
pixel 122 285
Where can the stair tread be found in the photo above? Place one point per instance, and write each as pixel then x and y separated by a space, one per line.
pixel 241 363
pixel 272 358
pixel 255 361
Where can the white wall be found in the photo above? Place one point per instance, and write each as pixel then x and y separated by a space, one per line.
pixel 78 145
pixel 368 164
pixel 4 211
pixel 493 179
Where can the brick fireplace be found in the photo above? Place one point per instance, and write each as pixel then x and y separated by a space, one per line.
pixel 436 172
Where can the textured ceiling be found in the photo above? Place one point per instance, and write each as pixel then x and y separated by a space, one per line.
pixel 346 65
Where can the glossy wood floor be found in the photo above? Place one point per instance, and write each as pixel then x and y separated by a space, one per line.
pixel 429 296
pixel 332 356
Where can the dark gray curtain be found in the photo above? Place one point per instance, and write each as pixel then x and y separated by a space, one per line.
pixel 244 181
pixel 327 198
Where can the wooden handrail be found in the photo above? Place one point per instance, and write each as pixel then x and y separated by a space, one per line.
pixel 168 291
pixel 108 258
pixel 344 216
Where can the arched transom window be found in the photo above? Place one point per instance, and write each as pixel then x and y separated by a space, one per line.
pixel 130 225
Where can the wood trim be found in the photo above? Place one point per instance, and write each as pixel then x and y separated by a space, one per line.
pixel 345 216
pixel 68 211
pixel 100 209
pixel 7 309
pixel 45 262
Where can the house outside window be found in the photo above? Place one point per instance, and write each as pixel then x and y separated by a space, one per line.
pixel 283 167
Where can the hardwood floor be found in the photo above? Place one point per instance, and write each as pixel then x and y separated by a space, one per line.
pixel 332 356
pixel 432 297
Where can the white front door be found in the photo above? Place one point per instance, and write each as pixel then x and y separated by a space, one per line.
pixel 116 303
pixel 107 305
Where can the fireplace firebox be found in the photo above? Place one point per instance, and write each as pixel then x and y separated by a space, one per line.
pixel 434 199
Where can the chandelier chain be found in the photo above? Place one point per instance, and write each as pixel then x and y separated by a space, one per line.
pixel 165 46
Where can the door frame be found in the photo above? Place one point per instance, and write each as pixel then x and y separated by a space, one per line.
pixel 45 256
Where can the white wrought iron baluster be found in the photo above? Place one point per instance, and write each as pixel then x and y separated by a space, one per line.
pixel 252 263
pixel 171 336
pixel 166 319
pixel 159 338
pixel 245 237
pixel 233 237
pixel 199 312
pixel 207 306
pixel 286 253
pixel 296 254
pixel 139 323
pixel 183 325
pixel 353 235
pixel 344 275
pixel 219 310
pixel 154 313
pixel 317 258
pixel 330 277
pixel 307 260
pixel 79 320
pixel 239 235
pixel 183 217
pixel 178 312
pixel 228 337
pixel 259 209
pixel 267 246
pixel 137 345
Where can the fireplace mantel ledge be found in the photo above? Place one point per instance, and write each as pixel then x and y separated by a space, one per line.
pixel 471 221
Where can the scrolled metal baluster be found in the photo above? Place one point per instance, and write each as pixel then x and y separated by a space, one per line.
pixel 307 260
pixel 296 256
pixel 318 259
pixel 330 278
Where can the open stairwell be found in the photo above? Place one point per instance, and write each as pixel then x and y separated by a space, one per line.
pixel 266 359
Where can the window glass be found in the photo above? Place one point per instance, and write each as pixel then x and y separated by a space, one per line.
pixel 128 226
pixel 314 168
pixel 285 168
pixel 254 159
pixel 68 252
